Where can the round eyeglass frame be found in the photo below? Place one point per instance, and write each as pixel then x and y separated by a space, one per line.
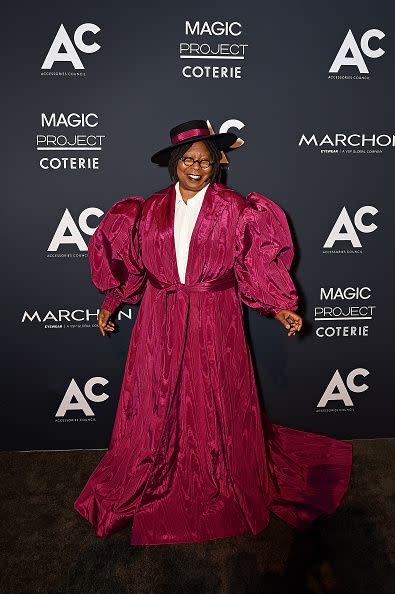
pixel 183 159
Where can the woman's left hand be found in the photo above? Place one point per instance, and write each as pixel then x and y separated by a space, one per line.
pixel 291 320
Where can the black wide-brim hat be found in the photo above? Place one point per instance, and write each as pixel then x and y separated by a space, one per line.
pixel 192 131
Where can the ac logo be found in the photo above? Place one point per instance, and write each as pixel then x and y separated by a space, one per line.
pixel 73 391
pixel 62 40
pixel 350 233
pixel 339 391
pixel 356 59
pixel 74 236
pixel 225 127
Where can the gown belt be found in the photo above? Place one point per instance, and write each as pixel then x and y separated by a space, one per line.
pixel 215 284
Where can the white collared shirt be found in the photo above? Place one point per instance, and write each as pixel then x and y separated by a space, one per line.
pixel 185 216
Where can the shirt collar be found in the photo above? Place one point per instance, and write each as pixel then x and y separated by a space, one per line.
pixel 196 198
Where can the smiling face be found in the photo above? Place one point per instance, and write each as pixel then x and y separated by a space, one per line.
pixel 194 178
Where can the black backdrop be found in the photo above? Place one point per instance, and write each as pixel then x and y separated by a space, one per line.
pixel 86 111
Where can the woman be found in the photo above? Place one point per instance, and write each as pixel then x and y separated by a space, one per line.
pixel 191 456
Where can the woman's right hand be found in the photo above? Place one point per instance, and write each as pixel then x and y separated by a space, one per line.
pixel 105 324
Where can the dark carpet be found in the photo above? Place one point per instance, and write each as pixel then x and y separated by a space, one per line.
pixel 49 547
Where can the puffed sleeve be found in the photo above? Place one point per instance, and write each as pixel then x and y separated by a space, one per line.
pixel 264 253
pixel 114 252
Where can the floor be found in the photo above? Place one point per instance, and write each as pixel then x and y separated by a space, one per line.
pixel 50 548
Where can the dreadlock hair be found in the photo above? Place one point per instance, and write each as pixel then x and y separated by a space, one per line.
pixel 179 151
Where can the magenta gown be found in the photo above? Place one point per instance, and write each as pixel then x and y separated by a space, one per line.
pixel 192 457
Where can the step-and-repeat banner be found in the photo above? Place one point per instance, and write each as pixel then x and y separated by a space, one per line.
pixel 95 89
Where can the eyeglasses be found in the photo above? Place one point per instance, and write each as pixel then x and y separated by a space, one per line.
pixel 188 162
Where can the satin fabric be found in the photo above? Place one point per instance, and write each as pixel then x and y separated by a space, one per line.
pixel 192 457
